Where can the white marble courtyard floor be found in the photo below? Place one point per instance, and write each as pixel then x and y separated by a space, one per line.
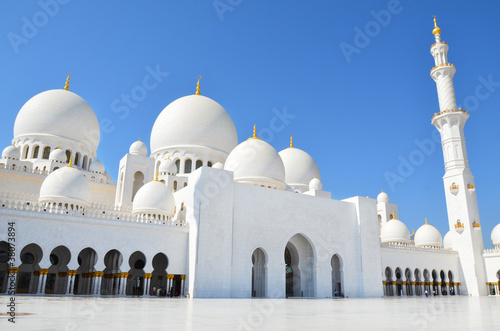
pixel 91 313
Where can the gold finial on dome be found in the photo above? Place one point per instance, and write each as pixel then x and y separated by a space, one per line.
pixel 426 221
pixel 70 164
pixel 66 86
pixel 156 176
pixel 254 133
pixel 291 140
pixel 198 86
pixel 139 138
pixel 436 30
pixel 413 232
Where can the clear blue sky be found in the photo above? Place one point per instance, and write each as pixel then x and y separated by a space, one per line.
pixel 357 115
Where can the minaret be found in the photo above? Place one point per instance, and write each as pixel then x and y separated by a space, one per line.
pixel 461 201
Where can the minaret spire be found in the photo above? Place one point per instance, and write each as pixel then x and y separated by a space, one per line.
pixel 198 86
pixel 291 140
pixel 66 86
pixel 461 201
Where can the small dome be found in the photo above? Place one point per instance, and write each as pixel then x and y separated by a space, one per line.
pixel 218 165
pixel 194 121
pixel 65 185
pixel 395 231
pixel 58 155
pixel 58 113
pixel 256 162
pixel 300 168
pixel 495 235
pixel 427 235
pixel 449 239
pixel 167 166
pixel 138 148
pixel 97 167
pixel 383 197
pixel 108 176
pixel 154 198
pixel 315 184
pixel 11 152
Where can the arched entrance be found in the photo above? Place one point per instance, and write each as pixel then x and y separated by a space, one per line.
pixel 399 282
pixel 299 267
pixel 409 287
pixel 435 288
pixel 159 275
pixel 336 276
pixel 444 290
pixel 388 282
pixel 427 287
pixel 28 276
pixel 135 281
pixel 83 279
pixel 110 282
pixel 258 273
pixel 452 285
pixel 57 278
pixel 418 286
pixel 4 267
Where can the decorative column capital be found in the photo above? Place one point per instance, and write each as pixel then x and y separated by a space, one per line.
pixel 13 270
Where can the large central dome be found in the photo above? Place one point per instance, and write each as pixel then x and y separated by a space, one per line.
pixel 193 121
pixel 58 114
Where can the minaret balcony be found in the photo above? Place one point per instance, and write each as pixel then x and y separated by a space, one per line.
pixel 443 65
pixel 446 111
pixel 459 227
pixel 471 187
pixel 476 225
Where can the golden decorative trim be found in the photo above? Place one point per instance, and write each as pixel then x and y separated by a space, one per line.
pixel 459 110
pixel 436 29
pixel 254 133
pixel 183 277
pixel 470 186
pixel 62 274
pixel 13 270
pixel 443 65
pixel 454 187
pixel 459 225
pixel 476 225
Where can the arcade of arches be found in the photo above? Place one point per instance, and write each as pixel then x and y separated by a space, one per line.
pixel 117 278
pixel 417 283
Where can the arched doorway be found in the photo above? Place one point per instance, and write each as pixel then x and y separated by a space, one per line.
pixel 427 287
pixel 57 278
pixel 444 290
pixel 27 277
pixel 299 267
pixel 435 288
pixel 336 276
pixel 135 281
pixel 83 279
pixel 259 274
pixel 409 287
pixel 399 282
pixel 110 282
pixel 159 275
pixel 138 182
pixel 452 285
pixel 388 282
pixel 4 267
pixel 418 286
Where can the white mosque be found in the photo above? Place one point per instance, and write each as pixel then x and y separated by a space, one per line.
pixel 203 216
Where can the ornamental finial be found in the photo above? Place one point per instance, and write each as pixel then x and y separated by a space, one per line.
pixel 426 221
pixel 254 132
pixel 156 176
pixel 70 164
pixel 436 30
pixel 66 86
pixel 198 86
pixel 291 140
